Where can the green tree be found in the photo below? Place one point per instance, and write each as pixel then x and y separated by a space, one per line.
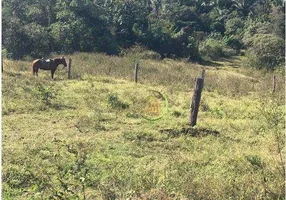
pixel 41 12
pixel 13 34
pixel 38 40
pixel 169 27
pixel 131 21
pixel 234 26
pixel 244 7
pixel 277 19
pixel 80 27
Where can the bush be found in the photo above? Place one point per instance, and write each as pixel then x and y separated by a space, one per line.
pixel 234 26
pixel 233 42
pixel 151 55
pixel 212 48
pixel 217 26
pixel 4 53
pixel 45 94
pixel 141 52
pixel 192 49
pixel 253 28
pixel 267 51
pixel 116 103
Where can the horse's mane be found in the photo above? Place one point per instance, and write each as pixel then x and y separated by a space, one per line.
pixel 58 59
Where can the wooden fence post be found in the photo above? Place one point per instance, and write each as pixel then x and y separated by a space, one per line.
pixel 69 69
pixel 203 74
pixel 274 83
pixel 136 73
pixel 195 103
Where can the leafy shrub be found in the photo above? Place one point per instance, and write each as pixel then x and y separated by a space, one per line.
pixel 4 53
pixel 151 55
pixel 115 102
pixel 218 26
pixel 141 52
pixel 159 36
pixel 253 28
pixel 233 42
pixel 212 48
pixel 70 171
pixel 255 161
pixel 277 18
pixel 170 42
pixel 234 26
pixel 18 177
pixel 46 94
pixel 266 51
pixel 192 49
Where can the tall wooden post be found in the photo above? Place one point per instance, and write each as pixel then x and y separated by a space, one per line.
pixel 195 103
pixel 136 72
pixel 203 74
pixel 69 69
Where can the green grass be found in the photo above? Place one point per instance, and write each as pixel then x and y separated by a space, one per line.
pixel 85 138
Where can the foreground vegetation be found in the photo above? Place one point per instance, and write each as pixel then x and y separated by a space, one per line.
pixel 84 138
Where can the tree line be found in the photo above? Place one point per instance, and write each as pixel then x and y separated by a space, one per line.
pixel 192 29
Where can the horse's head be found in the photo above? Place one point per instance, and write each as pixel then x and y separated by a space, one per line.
pixel 63 60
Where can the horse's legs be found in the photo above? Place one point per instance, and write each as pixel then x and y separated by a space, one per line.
pixel 52 73
pixel 35 70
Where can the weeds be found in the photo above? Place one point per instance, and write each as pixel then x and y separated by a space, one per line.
pixel 116 103
pixel 45 94
pixel 87 124
pixel 272 111
pixel 62 174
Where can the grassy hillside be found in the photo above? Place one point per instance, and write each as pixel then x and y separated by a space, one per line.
pixel 85 138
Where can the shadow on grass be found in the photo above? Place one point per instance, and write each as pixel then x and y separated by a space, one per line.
pixel 193 132
pixel 210 63
pixel 59 106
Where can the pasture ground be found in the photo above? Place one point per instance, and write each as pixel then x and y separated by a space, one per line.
pixel 84 138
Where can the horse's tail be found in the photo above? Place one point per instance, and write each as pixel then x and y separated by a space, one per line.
pixel 33 65
pixel 35 61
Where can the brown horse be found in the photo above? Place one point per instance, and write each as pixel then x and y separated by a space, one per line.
pixel 51 64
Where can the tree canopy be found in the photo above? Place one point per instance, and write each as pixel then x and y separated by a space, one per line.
pixel 173 28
